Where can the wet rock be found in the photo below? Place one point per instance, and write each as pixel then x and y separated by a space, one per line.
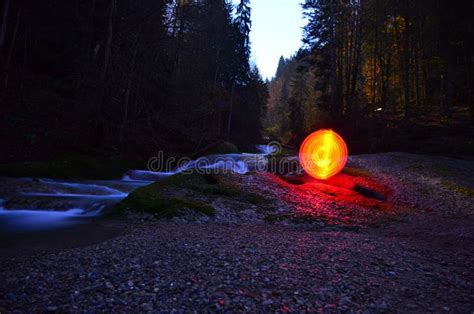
pixel 368 192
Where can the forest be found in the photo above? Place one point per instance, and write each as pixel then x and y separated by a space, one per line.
pixel 151 162
pixel 122 77
pixel 125 77
pixel 391 75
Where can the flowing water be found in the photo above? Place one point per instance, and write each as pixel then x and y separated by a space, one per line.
pixel 44 204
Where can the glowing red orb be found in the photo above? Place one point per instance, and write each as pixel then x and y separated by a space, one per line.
pixel 323 154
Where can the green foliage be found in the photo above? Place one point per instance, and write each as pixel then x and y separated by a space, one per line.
pixel 224 148
pixel 230 192
pixel 150 200
pixel 154 198
pixel 373 66
pixel 243 25
pixel 131 77
pixel 250 108
pixel 292 112
pixel 457 188
pixel 163 198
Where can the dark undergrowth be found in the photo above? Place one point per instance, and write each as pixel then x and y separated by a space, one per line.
pixel 71 166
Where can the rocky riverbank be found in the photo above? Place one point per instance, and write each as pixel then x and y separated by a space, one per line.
pixel 272 243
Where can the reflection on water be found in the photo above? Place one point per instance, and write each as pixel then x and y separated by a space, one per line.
pixel 85 197
pixel 59 203
pixel 96 188
pixel 32 220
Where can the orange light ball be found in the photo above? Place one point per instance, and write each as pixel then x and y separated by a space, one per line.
pixel 323 154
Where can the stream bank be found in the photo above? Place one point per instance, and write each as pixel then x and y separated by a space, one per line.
pixel 329 248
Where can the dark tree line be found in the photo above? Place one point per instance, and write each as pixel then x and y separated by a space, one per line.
pixel 376 64
pixel 127 76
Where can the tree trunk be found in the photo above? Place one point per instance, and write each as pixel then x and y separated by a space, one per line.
pixel 128 91
pixel 469 64
pixel 333 62
pixel 108 45
pixel 3 30
pixel 448 85
pixel 90 30
pixel 10 51
pixel 376 52
pixel 406 61
pixel 385 69
pixel 416 56
pixel 229 120
pixel 356 62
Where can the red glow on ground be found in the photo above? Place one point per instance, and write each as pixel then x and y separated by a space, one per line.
pixel 323 154
pixel 334 200
pixel 301 198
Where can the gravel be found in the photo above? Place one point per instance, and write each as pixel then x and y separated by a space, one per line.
pixel 421 262
pixel 440 184
pixel 167 266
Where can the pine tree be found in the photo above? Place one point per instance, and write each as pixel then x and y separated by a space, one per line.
pixel 243 24
pixel 281 67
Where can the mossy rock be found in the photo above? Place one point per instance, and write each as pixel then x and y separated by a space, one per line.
pixel 209 184
pixel 286 151
pixel 215 185
pixel 70 166
pixel 456 188
pixel 151 200
pixel 224 148
pixel 357 172
pixel 160 198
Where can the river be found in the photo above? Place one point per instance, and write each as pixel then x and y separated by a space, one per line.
pixel 45 204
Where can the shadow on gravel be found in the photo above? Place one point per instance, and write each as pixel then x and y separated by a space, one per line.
pixel 90 233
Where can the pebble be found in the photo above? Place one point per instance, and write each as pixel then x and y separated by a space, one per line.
pixel 201 267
